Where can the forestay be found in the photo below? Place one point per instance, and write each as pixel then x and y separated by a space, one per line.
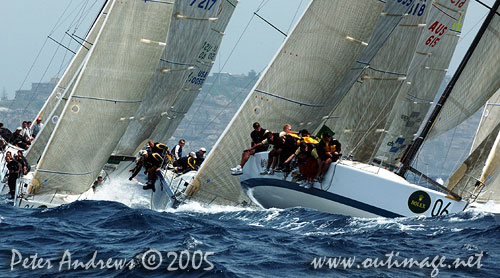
pixel 294 87
pixel 427 70
pixel 360 115
pixel 194 81
pixel 471 92
pixel 54 105
pixel 108 90
pixel 191 22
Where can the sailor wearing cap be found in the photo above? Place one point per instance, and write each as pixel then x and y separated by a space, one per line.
pixel 186 163
pixel 36 127
pixel 200 156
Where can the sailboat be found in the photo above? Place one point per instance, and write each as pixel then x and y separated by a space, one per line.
pixel 171 184
pixel 310 81
pixel 99 94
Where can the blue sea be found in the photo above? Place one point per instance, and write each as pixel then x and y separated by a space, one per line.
pixel 123 238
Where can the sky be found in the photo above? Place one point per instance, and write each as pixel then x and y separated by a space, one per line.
pixel 28 55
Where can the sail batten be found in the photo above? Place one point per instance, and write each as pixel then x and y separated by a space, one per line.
pixel 192 84
pixel 177 61
pixel 54 104
pixel 119 66
pixel 367 103
pixel 427 70
pixel 470 93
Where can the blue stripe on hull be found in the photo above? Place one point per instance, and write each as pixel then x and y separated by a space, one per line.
pixel 253 183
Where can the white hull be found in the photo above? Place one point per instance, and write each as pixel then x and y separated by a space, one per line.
pixel 349 188
pixel 169 188
pixel 25 200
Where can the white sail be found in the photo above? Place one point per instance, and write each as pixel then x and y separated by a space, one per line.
pixel 471 92
pixel 194 81
pixel 483 161
pixel 489 119
pixel 296 85
pixel 427 70
pixel 106 93
pixel 360 115
pixel 192 21
pixel 58 97
pixel 479 170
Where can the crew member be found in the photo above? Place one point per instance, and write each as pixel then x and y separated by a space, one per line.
pixel 186 164
pixel 306 157
pixel 152 163
pixel 35 129
pixel 13 167
pixel 97 182
pixel 139 163
pixel 258 135
pixel 25 167
pixel 200 156
pixel 157 147
pixel 18 140
pixel 177 150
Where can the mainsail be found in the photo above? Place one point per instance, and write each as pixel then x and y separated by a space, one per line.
pixel 427 70
pixel 194 81
pixel 480 170
pixel 363 111
pixel 299 81
pixel 192 21
pixel 108 90
pixel 54 105
pixel 471 92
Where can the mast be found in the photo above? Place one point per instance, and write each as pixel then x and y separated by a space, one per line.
pixel 413 149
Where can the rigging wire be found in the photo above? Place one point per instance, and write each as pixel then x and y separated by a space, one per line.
pixel 77 22
pixel 261 5
pixel 224 65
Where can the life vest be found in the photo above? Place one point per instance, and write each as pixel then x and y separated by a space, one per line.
pixel 292 140
pixel 329 147
pixel 310 140
pixel 159 148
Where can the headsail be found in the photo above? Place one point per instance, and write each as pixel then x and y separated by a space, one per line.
pixel 49 113
pixel 427 70
pixel 295 87
pixel 489 119
pixel 108 91
pixel 480 170
pixel 194 81
pixel 192 21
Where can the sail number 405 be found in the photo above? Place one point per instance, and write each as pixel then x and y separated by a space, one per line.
pixel 438 208
pixel 203 4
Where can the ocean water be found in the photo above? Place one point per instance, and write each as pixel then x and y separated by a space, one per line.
pixel 78 239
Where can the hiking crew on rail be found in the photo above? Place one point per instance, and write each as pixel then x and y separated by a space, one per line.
pixel 313 157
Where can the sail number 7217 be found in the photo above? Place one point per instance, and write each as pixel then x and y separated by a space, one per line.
pixel 204 4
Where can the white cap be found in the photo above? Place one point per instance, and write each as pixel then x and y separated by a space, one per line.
pixel 203 149
pixel 19 128
pixel 192 154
